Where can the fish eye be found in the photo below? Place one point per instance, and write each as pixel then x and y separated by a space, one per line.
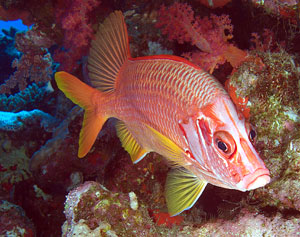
pixel 251 132
pixel 252 135
pixel 222 146
pixel 224 143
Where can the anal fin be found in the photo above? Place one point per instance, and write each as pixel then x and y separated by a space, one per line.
pixel 136 152
pixel 183 189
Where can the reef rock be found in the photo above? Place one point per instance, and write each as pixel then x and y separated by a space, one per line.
pixel 267 85
pixel 247 223
pixel 92 210
pixel 14 221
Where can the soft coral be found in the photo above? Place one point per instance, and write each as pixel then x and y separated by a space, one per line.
pixel 73 18
pixel 209 34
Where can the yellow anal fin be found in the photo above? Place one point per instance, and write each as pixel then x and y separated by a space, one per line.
pixel 183 189
pixel 170 149
pixel 136 152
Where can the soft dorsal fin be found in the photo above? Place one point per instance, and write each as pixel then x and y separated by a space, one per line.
pixel 183 189
pixel 136 152
pixel 108 52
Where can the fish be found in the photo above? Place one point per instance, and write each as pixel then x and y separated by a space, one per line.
pixel 165 104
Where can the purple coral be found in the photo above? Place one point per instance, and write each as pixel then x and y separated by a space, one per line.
pixel 34 65
pixel 74 20
pixel 209 34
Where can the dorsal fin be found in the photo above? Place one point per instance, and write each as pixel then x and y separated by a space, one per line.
pixel 136 152
pixel 108 52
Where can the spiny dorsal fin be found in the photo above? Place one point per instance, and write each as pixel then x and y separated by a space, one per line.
pixel 183 189
pixel 108 52
pixel 136 152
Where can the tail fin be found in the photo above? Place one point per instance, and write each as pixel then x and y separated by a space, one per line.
pixel 109 51
pixel 83 95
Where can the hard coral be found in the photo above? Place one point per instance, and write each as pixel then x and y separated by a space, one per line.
pixel 33 97
pixel 15 158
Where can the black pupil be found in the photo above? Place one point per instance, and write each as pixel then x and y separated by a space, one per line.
pixel 222 146
pixel 252 134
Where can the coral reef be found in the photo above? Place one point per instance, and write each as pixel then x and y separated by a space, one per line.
pixel 247 223
pixel 15 153
pixel 10 121
pixel 287 9
pixel 252 45
pixel 96 211
pixel 207 34
pixel 33 97
pixel 270 81
pixel 73 18
pixel 35 63
pixel 14 221
pixel 7 52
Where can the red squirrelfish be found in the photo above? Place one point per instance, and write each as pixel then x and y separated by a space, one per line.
pixel 168 105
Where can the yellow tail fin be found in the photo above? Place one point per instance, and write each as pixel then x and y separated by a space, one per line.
pixel 82 95
pixel 109 51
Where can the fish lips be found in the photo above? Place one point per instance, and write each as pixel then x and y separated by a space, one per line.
pixel 257 179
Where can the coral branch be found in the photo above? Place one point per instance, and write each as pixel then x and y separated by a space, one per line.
pixel 34 65
pixel 209 34
pixel 73 18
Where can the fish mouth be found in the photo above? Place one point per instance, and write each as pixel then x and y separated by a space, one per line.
pixel 258 179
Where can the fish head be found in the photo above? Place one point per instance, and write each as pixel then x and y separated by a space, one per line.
pixel 220 147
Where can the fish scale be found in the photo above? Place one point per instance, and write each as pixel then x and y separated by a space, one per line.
pixel 142 80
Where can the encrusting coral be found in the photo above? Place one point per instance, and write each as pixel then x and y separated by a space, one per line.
pixel 269 81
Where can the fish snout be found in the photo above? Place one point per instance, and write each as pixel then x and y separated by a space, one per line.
pixel 257 179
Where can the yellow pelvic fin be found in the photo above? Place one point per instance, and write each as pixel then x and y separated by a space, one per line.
pixel 170 149
pixel 136 152
pixel 82 95
pixel 183 189
pixel 108 52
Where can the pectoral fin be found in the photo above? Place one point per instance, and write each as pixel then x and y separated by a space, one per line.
pixel 173 152
pixel 182 190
